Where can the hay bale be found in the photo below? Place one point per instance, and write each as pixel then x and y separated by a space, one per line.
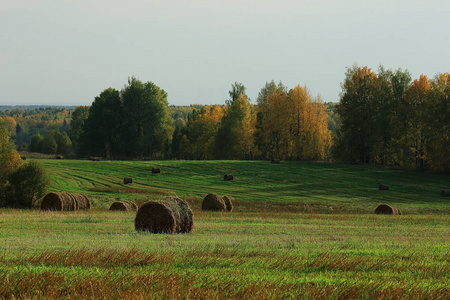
pixel 65 202
pixel 385 209
pixel 94 158
pixel 127 180
pixel 169 215
pixel 213 202
pixel 228 203
pixel 228 177
pixel 120 206
pixel 156 170
pixel 132 205
pixel 59 157
pixel 84 203
pixel 383 187
pixel 52 201
pixel 445 193
pixel 275 161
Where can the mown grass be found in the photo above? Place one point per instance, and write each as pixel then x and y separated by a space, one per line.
pixel 304 187
pixel 279 243
pixel 229 255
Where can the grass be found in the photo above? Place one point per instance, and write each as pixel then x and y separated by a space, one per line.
pixel 303 187
pixel 279 243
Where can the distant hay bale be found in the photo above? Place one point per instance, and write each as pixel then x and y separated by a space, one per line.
pixel 127 180
pixel 228 177
pixel 156 170
pixel 228 204
pixel 383 187
pixel 169 215
pixel 385 209
pixel 23 157
pixel 94 158
pixel 213 202
pixel 132 204
pixel 275 161
pixel 65 202
pixel 120 206
pixel 59 157
pixel 445 193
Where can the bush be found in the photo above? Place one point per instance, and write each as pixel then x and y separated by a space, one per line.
pixel 27 185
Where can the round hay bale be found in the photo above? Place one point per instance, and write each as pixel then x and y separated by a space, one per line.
pixel 170 215
pixel 132 205
pixel 213 202
pixel 185 217
pixel 70 202
pixel 228 177
pixel 156 170
pixel 120 206
pixel 383 187
pixel 275 161
pixel 127 180
pixel 445 193
pixel 65 202
pixel 83 202
pixel 385 209
pixel 52 201
pixel 228 203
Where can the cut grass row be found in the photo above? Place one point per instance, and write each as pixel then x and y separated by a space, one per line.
pixel 310 187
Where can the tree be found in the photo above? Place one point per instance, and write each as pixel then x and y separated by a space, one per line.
pixel 10 160
pixel 36 143
pixel 202 129
pixel 101 134
pixel 438 121
pixel 76 128
pixel 236 89
pixel 146 118
pixel 28 184
pixel 358 109
pixel 235 135
pixel 49 145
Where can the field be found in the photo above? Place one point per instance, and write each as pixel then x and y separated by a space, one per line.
pixel 299 230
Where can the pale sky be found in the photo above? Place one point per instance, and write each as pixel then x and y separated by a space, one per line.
pixel 64 52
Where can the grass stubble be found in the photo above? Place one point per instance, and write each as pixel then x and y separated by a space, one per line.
pixel 263 250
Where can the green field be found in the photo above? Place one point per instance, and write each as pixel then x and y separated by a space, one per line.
pixel 299 230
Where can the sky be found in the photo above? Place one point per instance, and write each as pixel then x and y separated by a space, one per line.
pixel 62 52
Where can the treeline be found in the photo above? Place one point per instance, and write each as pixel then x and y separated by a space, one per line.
pixel 382 118
pixel 135 123
pixel 387 118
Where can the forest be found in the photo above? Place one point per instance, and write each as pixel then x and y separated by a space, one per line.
pixel 382 117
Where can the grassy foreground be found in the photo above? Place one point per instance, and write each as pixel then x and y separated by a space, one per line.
pixel 300 230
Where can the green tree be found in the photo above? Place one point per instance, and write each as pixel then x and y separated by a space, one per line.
pixel 64 143
pixel 10 160
pixel 36 143
pixel 235 135
pixel 76 128
pixel 101 134
pixel 28 184
pixel 146 119
pixel 49 145
pixel 236 89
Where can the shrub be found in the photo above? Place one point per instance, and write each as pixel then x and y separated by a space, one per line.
pixel 27 185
